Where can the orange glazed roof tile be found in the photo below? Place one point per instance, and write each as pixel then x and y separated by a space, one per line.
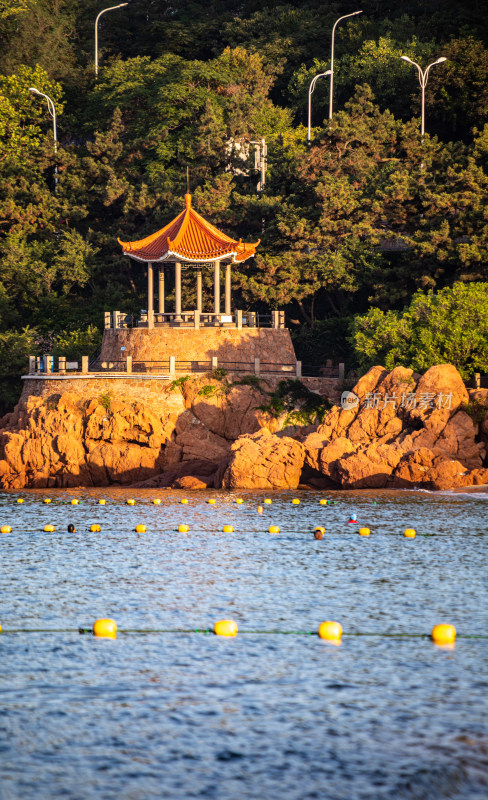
pixel 189 237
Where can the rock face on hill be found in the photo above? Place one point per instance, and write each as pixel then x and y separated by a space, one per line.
pixel 67 440
pixel 398 430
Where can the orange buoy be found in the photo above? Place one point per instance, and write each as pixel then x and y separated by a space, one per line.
pixel 105 628
pixel 443 634
pixel 331 631
pixel 225 627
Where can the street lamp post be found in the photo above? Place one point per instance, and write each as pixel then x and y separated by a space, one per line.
pixel 52 110
pixel 112 8
pixel 332 58
pixel 310 90
pixel 423 78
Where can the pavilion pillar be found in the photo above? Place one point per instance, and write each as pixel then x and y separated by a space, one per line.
pixel 199 290
pixel 161 290
pixel 217 287
pixel 178 291
pixel 150 295
pixel 227 289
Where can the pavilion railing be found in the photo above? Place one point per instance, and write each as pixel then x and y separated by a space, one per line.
pixel 115 320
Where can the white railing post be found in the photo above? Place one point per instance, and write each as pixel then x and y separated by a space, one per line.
pixel 239 319
pixel 215 363
pixel 62 365
pixel 196 320
pixel 257 366
pixel 107 319
pixel 298 369
pixel 115 320
pixel 32 365
pixel 84 365
pixel 129 365
pixel 172 365
pixel 47 363
pixel 274 319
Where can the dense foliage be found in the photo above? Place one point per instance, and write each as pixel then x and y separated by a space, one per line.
pixel 352 227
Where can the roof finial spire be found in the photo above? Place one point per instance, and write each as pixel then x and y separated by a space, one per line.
pixel 188 195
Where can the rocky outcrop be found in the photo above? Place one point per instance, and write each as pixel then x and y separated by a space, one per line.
pixel 264 461
pixel 65 440
pixel 398 429
pixel 404 430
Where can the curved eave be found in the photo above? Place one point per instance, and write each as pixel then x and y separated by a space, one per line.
pixel 172 256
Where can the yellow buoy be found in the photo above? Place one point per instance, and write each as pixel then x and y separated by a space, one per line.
pixel 295 501
pixel 106 628
pixel 101 502
pixel 332 631
pixel 157 501
pixel 183 528
pixel 211 501
pixel 364 531
pixel 273 529
pixel 268 501
pixel 225 627
pixel 184 501
pixel 75 501
pixel 5 529
pixel 130 502
pixel 323 502
pixel 47 500
pixel 140 528
pixel 260 509
pixel 95 528
pixel 227 529
pixel 20 500
pixel 409 533
pixel 443 634
pixel 239 501
pixel 49 528
pixel 320 528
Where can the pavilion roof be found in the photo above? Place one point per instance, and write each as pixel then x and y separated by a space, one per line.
pixel 189 237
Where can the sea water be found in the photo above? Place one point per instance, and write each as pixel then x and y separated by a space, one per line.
pixel 165 711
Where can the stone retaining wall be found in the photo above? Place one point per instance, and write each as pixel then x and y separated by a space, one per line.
pixel 270 345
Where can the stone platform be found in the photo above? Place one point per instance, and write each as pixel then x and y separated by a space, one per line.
pixel 270 345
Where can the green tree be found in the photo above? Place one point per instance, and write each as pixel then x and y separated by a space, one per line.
pixel 449 326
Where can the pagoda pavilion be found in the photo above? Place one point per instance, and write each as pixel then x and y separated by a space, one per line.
pixel 188 242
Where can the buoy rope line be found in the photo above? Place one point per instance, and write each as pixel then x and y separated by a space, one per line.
pixel 328 533
pixel 145 631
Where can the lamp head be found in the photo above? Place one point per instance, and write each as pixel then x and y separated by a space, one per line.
pixel 440 60
pixel 406 58
pixel 33 90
